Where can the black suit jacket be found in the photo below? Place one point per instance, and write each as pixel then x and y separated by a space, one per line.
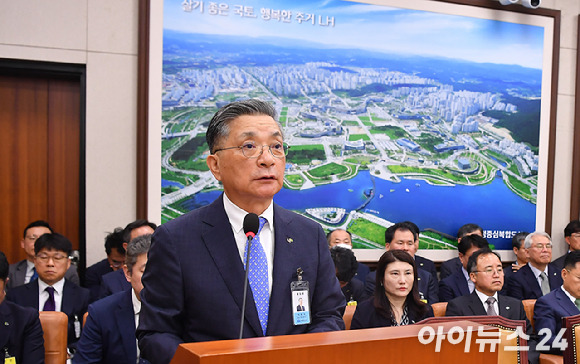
pixel 113 282
pixel 449 267
pixel 559 263
pixel 453 286
pixel 428 265
pixel 75 301
pixel 194 282
pixel 471 305
pixel 21 333
pixel 523 284
pixel 93 277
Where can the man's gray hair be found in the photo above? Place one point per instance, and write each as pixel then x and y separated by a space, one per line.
pixel 137 246
pixel 219 126
pixel 528 241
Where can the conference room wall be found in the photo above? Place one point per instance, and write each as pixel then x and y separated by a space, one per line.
pixel 103 34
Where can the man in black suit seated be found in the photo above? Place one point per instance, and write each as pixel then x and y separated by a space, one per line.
pixel 343 239
pixel 24 271
pixel 486 273
pixel 459 284
pixel 114 282
pixel 403 236
pixel 21 334
pixel 454 264
pixel 52 291
pixel 539 276
pixel 572 238
pixel 114 261
pixel 520 252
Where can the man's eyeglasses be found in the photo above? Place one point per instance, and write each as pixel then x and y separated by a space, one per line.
pixel 32 237
pixel 490 271
pixel 116 264
pixel 542 246
pixel 251 150
pixel 57 258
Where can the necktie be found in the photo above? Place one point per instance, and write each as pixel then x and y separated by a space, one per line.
pixel 34 274
pixel 49 305
pixel 258 277
pixel 545 284
pixel 490 310
pixel 577 302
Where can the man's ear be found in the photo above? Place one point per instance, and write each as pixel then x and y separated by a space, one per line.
pixel 213 165
pixel 127 273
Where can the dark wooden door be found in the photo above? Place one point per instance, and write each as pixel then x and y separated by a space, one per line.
pixel 40 156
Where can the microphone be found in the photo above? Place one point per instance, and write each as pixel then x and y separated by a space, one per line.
pixel 251 227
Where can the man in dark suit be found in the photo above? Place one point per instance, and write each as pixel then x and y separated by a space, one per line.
pixel 109 334
pixel 114 282
pixel 572 238
pixel 486 272
pixel 564 301
pixel 52 291
pixel 194 281
pixel 404 236
pixel 459 284
pixel 452 265
pixel 343 239
pixel 23 271
pixel 538 277
pixel 346 267
pixel 114 261
pixel 21 334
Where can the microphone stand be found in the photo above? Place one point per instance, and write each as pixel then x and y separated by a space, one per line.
pixel 250 238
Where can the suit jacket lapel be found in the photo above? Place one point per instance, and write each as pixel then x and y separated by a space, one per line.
pixel 20 273
pixel 462 284
pixel 32 294
pixel 505 310
pixel 283 273
pixel 554 278
pixel 531 280
pixel 565 302
pixel 125 321
pixel 68 296
pixel 475 305
pixel 219 240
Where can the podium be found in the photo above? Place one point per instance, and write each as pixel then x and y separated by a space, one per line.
pixel 387 344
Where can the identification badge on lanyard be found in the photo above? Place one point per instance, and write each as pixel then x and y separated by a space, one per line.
pixel 7 358
pixel 300 300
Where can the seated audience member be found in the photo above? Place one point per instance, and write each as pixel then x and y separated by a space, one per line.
pixel 343 238
pixel 115 281
pixel 52 291
pixel 572 238
pixel 346 266
pixel 21 337
pixel 520 252
pixel 109 334
pixel 423 263
pixel 403 236
pixel 538 277
pixel 23 272
pixel 396 300
pixel 458 284
pixel 114 260
pixel 486 273
pixel 454 264
pixel 564 301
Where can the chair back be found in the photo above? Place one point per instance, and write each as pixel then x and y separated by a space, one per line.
pixel 347 317
pixel 55 327
pixel 529 308
pixel 439 309
pixel 572 335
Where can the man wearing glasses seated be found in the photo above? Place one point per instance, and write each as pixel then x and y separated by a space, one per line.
pixel 24 271
pixel 538 277
pixel 52 291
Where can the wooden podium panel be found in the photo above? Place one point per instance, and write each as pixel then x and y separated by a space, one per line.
pixel 388 344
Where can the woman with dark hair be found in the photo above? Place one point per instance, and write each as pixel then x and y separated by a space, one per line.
pixel 396 299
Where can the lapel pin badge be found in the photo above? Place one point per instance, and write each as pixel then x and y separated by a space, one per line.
pixel 507 308
pixel 6 323
pixel 290 240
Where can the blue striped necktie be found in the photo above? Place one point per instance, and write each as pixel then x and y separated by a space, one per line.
pixel 258 277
